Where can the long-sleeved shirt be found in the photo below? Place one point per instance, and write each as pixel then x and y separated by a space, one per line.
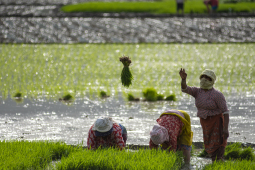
pixel 208 103
pixel 174 127
pixel 115 139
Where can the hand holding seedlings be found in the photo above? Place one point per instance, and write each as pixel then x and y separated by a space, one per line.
pixel 126 75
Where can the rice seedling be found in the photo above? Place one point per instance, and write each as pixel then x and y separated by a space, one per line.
pixel 171 97
pixel 247 154
pixel 160 97
pixel 109 159
pixel 50 70
pixel 132 98
pixel 103 94
pixel 67 97
pixel 150 94
pixel 203 154
pixel 31 155
pixel 231 165
pixel 126 75
pixel 18 95
pixel 234 151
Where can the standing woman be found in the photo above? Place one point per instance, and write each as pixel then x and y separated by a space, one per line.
pixel 212 110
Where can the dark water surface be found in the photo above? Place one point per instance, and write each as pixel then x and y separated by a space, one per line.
pixel 54 120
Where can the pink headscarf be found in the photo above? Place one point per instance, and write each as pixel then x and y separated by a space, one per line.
pixel 159 134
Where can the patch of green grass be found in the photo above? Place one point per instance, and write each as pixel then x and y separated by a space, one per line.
pixel 112 159
pixel 103 94
pixel 131 97
pixel 23 155
pixel 150 94
pixel 231 165
pixel 164 6
pixel 234 151
pixel 160 97
pixel 171 97
pixel 18 94
pixel 68 97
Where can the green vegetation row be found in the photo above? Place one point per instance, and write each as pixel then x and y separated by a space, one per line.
pixel 236 156
pixel 158 7
pixel 37 155
pixel 52 71
pixel 235 151
pixel 24 155
pixel 150 94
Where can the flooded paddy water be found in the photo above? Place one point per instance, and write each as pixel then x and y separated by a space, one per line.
pixel 43 73
pixel 54 120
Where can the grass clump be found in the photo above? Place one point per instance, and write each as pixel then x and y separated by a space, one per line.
pixel 132 98
pixel 67 97
pixel 160 97
pixel 247 154
pixel 18 95
pixel 31 155
pixel 231 165
pixel 234 151
pixel 150 94
pixel 109 159
pixel 203 154
pixel 103 94
pixel 171 97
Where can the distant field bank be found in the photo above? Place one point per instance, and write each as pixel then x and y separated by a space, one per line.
pixel 47 70
pixel 164 6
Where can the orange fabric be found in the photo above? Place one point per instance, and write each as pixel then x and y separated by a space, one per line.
pixel 213 133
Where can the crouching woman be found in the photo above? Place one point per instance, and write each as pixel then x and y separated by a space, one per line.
pixel 106 133
pixel 172 133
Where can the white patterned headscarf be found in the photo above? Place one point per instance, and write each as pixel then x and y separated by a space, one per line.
pixel 159 134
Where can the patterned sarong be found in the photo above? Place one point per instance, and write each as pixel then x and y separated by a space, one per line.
pixel 214 141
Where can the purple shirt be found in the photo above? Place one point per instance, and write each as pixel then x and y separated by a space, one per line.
pixel 208 103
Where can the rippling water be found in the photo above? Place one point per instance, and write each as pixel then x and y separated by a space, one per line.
pixel 53 120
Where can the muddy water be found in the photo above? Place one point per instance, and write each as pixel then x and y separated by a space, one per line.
pixel 53 120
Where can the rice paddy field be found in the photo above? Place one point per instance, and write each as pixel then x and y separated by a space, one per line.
pixel 51 70
pixel 44 73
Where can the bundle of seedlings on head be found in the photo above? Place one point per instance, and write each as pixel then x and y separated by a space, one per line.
pixel 126 75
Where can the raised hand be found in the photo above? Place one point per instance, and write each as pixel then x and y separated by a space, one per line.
pixel 183 74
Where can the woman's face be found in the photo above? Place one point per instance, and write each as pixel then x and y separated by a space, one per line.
pixel 206 77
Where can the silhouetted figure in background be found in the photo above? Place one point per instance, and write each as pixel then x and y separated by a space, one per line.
pixel 214 5
pixel 180 6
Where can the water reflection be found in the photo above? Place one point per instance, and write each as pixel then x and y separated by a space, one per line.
pixel 54 120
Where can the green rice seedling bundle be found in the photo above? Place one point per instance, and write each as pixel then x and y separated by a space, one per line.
pixel 25 155
pixel 160 97
pixel 103 94
pixel 132 98
pixel 231 165
pixel 112 159
pixel 171 97
pixel 126 75
pixel 150 94
pixel 234 151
